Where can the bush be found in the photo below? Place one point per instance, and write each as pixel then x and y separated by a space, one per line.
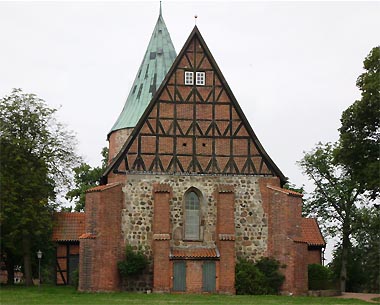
pixel 134 263
pixel 274 279
pixel 249 279
pixel 320 277
pixel 260 278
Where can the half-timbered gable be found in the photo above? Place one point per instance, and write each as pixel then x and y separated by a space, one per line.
pixel 194 124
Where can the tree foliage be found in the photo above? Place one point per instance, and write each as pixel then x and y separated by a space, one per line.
pixel 134 263
pixel 346 172
pixel 86 177
pixel 293 187
pixel 335 193
pixel 335 199
pixel 319 277
pixel 363 266
pixel 360 131
pixel 36 156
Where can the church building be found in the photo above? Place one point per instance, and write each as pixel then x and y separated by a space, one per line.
pixel 189 183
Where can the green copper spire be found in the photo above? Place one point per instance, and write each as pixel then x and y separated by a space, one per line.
pixel 158 58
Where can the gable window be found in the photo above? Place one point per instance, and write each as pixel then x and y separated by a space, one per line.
pixel 189 78
pixel 200 78
pixel 192 216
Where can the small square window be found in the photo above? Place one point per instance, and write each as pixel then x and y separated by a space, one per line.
pixel 189 78
pixel 200 78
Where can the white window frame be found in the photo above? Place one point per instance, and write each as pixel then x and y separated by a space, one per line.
pixel 189 78
pixel 200 78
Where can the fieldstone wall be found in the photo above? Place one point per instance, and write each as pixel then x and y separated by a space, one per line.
pixel 250 220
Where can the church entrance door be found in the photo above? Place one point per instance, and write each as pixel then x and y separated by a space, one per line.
pixel 208 276
pixel 179 276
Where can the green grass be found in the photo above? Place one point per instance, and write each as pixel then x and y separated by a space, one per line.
pixel 52 295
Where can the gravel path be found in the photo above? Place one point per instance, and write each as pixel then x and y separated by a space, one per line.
pixel 361 296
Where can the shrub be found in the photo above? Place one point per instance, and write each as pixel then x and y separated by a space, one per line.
pixel 273 278
pixel 320 277
pixel 260 278
pixel 249 279
pixel 134 263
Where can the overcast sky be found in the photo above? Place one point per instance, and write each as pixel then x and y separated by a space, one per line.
pixel 291 65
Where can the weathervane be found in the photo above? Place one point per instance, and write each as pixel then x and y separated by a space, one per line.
pixel 195 18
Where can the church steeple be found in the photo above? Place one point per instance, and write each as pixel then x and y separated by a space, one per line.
pixel 157 60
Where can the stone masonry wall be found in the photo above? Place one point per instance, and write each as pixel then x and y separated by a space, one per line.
pixel 250 221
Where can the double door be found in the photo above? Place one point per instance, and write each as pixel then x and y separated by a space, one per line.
pixel 208 276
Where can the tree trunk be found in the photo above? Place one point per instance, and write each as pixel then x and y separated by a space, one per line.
pixel 343 268
pixel 27 261
pixel 10 269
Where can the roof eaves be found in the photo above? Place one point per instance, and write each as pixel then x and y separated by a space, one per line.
pixel 285 191
pixel 101 188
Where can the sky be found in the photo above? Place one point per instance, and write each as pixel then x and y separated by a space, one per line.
pixel 292 66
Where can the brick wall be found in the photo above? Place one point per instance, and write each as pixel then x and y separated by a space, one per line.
pixel 300 269
pixel 161 237
pixel 314 255
pixel 284 227
pixel 226 238
pixel 104 242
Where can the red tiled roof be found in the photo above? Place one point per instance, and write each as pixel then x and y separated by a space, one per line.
pixel 87 236
pixel 311 233
pixel 100 188
pixel 285 191
pixel 195 253
pixel 68 226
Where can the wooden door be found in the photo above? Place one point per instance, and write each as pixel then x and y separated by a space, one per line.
pixel 179 276
pixel 208 276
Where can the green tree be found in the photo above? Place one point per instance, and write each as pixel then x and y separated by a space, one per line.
pixel 367 242
pixel 86 177
pixel 293 187
pixel 335 199
pixel 37 154
pixel 363 267
pixel 360 131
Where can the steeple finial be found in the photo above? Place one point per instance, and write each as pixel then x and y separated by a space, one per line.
pixel 160 9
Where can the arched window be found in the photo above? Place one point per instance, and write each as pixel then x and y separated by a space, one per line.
pixel 192 216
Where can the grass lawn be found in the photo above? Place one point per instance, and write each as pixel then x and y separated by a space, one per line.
pixel 67 295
